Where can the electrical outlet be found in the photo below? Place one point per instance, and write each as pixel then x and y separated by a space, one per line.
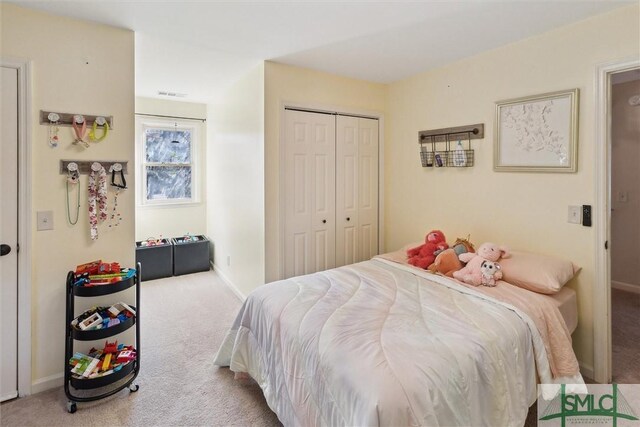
pixel 45 220
pixel 228 260
pixel 623 196
pixel 575 214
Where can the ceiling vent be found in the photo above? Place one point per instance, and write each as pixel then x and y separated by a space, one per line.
pixel 172 94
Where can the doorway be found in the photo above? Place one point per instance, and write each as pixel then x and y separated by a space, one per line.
pixel 9 235
pixel 15 229
pixel 625 226
pixel 607 203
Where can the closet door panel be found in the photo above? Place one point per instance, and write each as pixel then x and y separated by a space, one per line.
pixel 367 234
pixel 346 190
pixel 309 192
pixel 324 201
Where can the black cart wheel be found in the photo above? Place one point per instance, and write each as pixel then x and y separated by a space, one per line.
pixel 71 407
pixel 133 388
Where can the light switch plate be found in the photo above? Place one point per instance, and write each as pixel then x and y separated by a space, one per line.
pixel 45 220
pixel 575 215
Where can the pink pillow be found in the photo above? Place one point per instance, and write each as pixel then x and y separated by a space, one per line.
pixel 538 273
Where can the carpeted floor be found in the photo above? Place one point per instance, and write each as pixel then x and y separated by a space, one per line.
pixel 200 309
pixel 625 339
pixel 184 320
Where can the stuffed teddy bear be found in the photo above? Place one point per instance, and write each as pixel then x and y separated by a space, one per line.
pixel 447 261
pixel 471 273
pixel 491 273
pixel 424 255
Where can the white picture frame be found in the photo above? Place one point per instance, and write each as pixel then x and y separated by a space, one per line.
pixel 537 133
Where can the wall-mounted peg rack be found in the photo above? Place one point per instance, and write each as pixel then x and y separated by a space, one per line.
pixel 465 132
pixel 84 166
pixel 66 119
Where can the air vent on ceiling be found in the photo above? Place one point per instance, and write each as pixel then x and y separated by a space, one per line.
pixel 172 94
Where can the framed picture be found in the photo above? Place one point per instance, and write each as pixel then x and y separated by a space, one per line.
pixel 537 133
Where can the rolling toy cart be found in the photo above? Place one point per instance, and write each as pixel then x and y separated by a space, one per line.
pixel 129 371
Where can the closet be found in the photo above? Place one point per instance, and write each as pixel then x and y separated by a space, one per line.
pixel 330 184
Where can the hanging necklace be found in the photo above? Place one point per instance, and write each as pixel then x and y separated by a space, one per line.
pixel 116 169
pixel 99 121
pixel 79 131
pixel 74 179
pixel 53 129
pixel 115 218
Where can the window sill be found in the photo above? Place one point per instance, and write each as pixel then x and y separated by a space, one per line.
pixel 168 205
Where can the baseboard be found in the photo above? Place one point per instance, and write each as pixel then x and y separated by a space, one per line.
pixel 625 287
pixel 47 383
pixel 586 370
pixel 229 283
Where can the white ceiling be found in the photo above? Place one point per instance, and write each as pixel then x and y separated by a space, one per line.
pixel 200 47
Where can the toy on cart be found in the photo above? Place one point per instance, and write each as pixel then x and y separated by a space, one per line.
pixel 114 366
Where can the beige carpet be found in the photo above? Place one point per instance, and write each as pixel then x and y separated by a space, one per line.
pixel 184 320
pixel 625 339
pixel 179 386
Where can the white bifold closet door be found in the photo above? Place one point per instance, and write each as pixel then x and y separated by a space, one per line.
pixel 330 191
pixel 356 189
pixel 310 192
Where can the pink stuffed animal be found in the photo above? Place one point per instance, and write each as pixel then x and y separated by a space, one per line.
pixel 472 272
pixel 424 255
pixel 491 273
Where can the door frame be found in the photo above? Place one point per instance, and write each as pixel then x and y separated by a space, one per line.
pixel 602 367
pixel 332 109
pixel 24 220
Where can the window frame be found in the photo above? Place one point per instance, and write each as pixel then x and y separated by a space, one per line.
pixel 145 123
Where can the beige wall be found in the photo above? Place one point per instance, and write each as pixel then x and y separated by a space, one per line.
pixel 62 80
pixel 522 210
pixel 625 178
pixel 288 84
pixel 173 221
pixel 235 189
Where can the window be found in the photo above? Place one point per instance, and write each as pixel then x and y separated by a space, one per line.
pixel 168 151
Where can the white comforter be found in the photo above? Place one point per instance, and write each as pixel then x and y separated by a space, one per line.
pixel 377 344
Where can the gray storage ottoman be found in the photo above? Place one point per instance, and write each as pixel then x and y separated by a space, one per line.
pixel 190 254
pixel 156 261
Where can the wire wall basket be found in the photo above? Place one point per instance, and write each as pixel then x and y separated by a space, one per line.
pixel 447 150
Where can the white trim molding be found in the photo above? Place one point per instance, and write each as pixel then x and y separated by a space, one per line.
pixel 628 287
pixel 47 383
pixel 602 215
pixel 23 67
pixel 242 297
pixel 586 370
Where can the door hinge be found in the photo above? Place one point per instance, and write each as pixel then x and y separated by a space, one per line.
pixel 17 247
pixel 606 244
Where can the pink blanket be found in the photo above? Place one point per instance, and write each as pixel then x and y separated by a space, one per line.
pixel 540 308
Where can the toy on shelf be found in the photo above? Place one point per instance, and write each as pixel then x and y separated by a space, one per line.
pixel 99 363
pixel 103 317
pixel 90 322
pixel 152 241
pixel 96 273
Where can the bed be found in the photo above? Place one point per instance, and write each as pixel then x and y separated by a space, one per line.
pixel 382 343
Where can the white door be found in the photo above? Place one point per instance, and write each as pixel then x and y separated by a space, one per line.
pixel 9 235
pixel 309 192
pixel 356 189
pixel 367 188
